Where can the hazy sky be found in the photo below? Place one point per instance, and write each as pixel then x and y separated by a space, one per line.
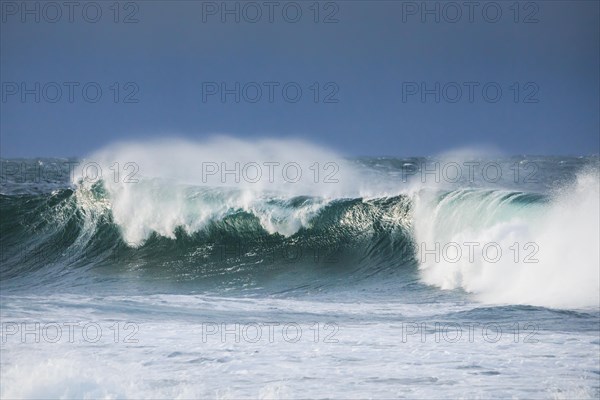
pixel 362 77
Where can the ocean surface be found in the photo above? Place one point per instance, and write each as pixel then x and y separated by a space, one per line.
pixel 167 270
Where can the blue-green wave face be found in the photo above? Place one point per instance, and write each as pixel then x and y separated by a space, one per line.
pixel 369 233
pixel 58 238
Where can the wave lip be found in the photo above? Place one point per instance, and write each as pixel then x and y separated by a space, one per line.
pixel 178 184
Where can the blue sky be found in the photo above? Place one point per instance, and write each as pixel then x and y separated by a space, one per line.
pixel 362 75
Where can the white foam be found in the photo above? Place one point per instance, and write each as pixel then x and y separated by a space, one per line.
pixel 566 232
pixel 177 185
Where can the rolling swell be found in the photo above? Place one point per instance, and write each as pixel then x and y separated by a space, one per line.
pixel 65 236
pixel 170 229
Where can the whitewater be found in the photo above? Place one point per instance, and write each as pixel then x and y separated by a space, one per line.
pixel 275 268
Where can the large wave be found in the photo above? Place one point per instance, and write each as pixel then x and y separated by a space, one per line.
pixel 223 209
